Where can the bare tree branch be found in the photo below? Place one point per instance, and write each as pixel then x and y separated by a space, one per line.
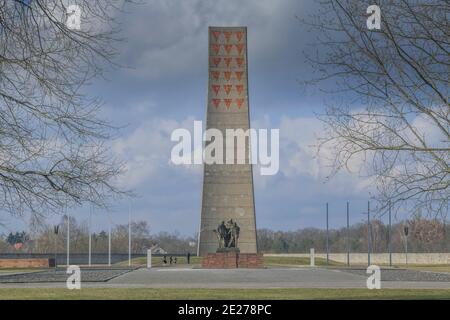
pixel 394 84
pixel 53 145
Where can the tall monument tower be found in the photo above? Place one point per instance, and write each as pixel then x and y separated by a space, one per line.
pixel 228 188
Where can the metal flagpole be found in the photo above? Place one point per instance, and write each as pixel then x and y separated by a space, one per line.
pixel 129 235
pixel 406 231
pixel 406 257
pixel 348 234
pixel 390 235
pixel 90 235
pixel 56 231
pixel 369 233
pixel 109 240
pixel 68 237
pixel 328 249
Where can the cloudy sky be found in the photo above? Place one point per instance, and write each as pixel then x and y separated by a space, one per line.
pixel 165 87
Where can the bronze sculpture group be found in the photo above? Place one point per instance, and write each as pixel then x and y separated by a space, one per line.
pixel 228 234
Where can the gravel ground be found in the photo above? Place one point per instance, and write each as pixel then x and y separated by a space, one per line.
pixel 405 275
pixel 60 275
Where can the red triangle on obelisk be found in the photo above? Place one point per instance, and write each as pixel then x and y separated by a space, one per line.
pixel 216 102
pixel 216 61
pixel 239 102
pixel 227 35
pixel 239 88
pixel 228 102
pixel 227 61
pixel 239 61
pixel 216 35
pixel 216 89
pixel 215 75
pixel 239 35
pixel 227 88
pixel 215 48
pixel 228 48
pixel 239 74
pixel 227 75
pixel 239 47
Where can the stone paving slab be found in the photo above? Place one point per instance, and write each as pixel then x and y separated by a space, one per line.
pixel 239 278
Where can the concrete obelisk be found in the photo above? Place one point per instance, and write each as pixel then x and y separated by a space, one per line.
pixel 228 188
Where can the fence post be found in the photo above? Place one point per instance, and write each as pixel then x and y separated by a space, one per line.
pixel 149 258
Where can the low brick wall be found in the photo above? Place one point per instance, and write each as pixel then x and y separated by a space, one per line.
pixel 380 258
pixel 26 263
pixel 249 260
pixel 75 258
pixel 220 260
pixel 232 260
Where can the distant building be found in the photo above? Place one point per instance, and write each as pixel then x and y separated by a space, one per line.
pixel 158 250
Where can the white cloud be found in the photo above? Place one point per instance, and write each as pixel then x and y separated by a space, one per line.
pixel 301 161
pixel 168 38
pixel 298 140
pixel 429 131
pixel 146 150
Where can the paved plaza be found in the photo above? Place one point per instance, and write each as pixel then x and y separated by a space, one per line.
pixel 231 278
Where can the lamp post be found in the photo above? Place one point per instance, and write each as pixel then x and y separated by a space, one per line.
pixel 369 234
pixel 56 231
pixel 68 239
pixel 406 232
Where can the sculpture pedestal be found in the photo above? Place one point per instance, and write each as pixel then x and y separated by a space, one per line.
pixel 232 260
pixel 226 250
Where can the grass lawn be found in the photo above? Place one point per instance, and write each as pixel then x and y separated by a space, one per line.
pixel 222 294
pixel 434 268
pixel 268 262
pixel 296 262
